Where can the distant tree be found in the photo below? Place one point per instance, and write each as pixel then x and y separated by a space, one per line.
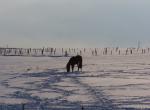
pixel 66 53
pixel 95 52
pixel 119 52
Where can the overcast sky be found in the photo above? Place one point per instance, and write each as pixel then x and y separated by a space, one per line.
pixel 74 23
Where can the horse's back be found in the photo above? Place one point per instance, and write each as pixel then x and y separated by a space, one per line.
pixel 79 57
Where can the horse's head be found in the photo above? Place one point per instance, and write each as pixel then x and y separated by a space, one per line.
pixel 68 67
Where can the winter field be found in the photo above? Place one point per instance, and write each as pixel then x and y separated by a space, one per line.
pixel 107 82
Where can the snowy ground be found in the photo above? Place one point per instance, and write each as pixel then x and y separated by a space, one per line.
pixel 106 83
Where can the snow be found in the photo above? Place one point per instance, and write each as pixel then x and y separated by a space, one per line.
pixel 107 82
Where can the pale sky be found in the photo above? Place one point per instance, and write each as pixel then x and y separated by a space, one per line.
pixel 74 23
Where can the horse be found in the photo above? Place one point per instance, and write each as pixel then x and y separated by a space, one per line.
pixel 75 60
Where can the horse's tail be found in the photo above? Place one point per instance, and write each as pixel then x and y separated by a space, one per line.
pixel 80 62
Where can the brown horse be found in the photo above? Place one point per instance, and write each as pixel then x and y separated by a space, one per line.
pixel 75 60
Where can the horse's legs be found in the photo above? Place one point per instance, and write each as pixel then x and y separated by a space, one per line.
pixel 72 68
pixel 79 66
pixel 80 69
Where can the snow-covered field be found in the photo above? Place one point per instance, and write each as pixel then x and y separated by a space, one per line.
pixel 106 83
